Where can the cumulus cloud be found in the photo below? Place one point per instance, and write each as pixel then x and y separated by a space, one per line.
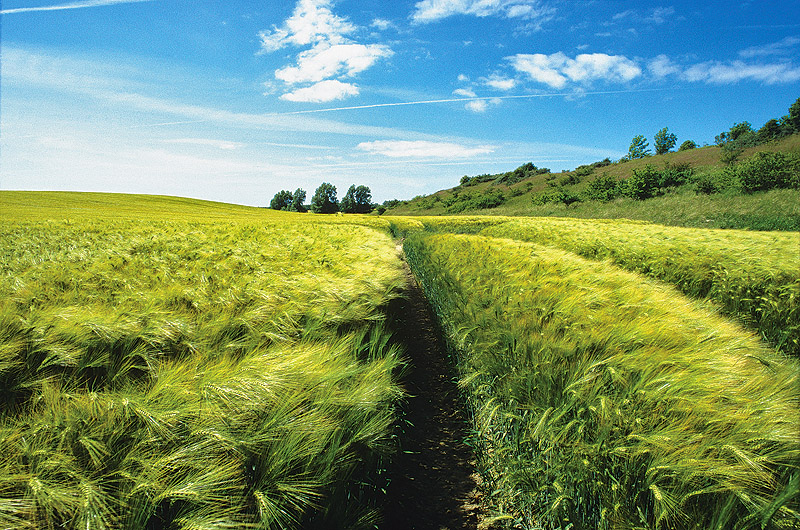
pixel 464 92
pixel 422 149
pixel 500 83
pixel 312 22
pixel 325 61
pixel 331 54
pixel 558 69
pixel 480 106
pixel 662 66
pixel 322 92
pixel 427 11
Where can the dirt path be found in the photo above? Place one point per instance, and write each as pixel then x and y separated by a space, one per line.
pixel 434 483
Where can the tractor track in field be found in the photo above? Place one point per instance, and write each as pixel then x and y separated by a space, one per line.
pixel 434 483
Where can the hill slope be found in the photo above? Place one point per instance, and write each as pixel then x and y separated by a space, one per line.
pixel 531 191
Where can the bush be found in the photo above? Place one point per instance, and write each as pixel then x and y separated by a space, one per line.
pixel 642 184
pixel 688 144
pixel 474 201
pixel 604 188
pixel 675 175
pixel 766 171
pixel 570 179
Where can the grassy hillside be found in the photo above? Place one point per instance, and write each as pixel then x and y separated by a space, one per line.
pixel 680 205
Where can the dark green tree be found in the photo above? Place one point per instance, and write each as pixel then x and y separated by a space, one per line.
pixel 792 121
pixel 664 141
pixel 281 201
pixel 688 144
pixel 356 200
pixel 298 199
pixel 324 199
pixel 639 148
pixel 363 197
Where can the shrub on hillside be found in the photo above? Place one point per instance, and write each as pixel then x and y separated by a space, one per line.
pixel 643 183
pixel 675 175
pixel 766 171
pixel 604 188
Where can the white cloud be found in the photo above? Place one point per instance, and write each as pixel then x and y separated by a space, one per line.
pixel 500 83
pixel 432 10
pixel 480 106
pixel 557 69
pixel 656 15
pixel 464 92
pixel 422 149
pixel 206 142
pixel 73 5
pixel 322 92
pixel 719 73
pixel 725 73
pixel 463 78
pixel 381 24
pixel 662 66
pixel 331 55
pixel 325 61
pixel 312 22
pixel 782 47
pixel 659 15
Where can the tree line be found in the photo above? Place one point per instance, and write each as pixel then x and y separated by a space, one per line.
pixel 733 142
pixel 358 199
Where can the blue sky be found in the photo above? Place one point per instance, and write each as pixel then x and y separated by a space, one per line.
pixel 236 100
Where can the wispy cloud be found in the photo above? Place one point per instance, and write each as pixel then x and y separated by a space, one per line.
pixel 72 5
pixel 428 11
pixel 727 72
pixel 782 47
pixel 205 142
pixel 422 149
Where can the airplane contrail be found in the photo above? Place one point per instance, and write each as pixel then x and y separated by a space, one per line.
pixel 73 5
pixel 461 100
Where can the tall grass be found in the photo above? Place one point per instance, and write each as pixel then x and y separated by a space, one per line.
pixel 602 400
pixel 754 276
pixel 194 374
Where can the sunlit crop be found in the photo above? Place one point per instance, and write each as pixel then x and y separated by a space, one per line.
pixel 602 400
pixel 218 373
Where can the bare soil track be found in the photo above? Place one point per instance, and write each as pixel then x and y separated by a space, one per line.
pixel 434 484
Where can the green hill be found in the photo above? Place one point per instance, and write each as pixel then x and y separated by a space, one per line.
pixel 700 194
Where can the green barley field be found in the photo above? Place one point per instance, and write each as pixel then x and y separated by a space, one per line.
pixel 174 363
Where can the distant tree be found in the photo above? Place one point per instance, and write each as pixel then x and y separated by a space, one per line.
pixel 688 144
pixel 356 200
pixel 298 199
pixel 363 196
pixel 664 141
pixel 639 148
pixel 324 199
pixel 281 201
pixel 348 202
pixel 735 141
pixel 792 121
pixel 739 133
pixel 772 130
